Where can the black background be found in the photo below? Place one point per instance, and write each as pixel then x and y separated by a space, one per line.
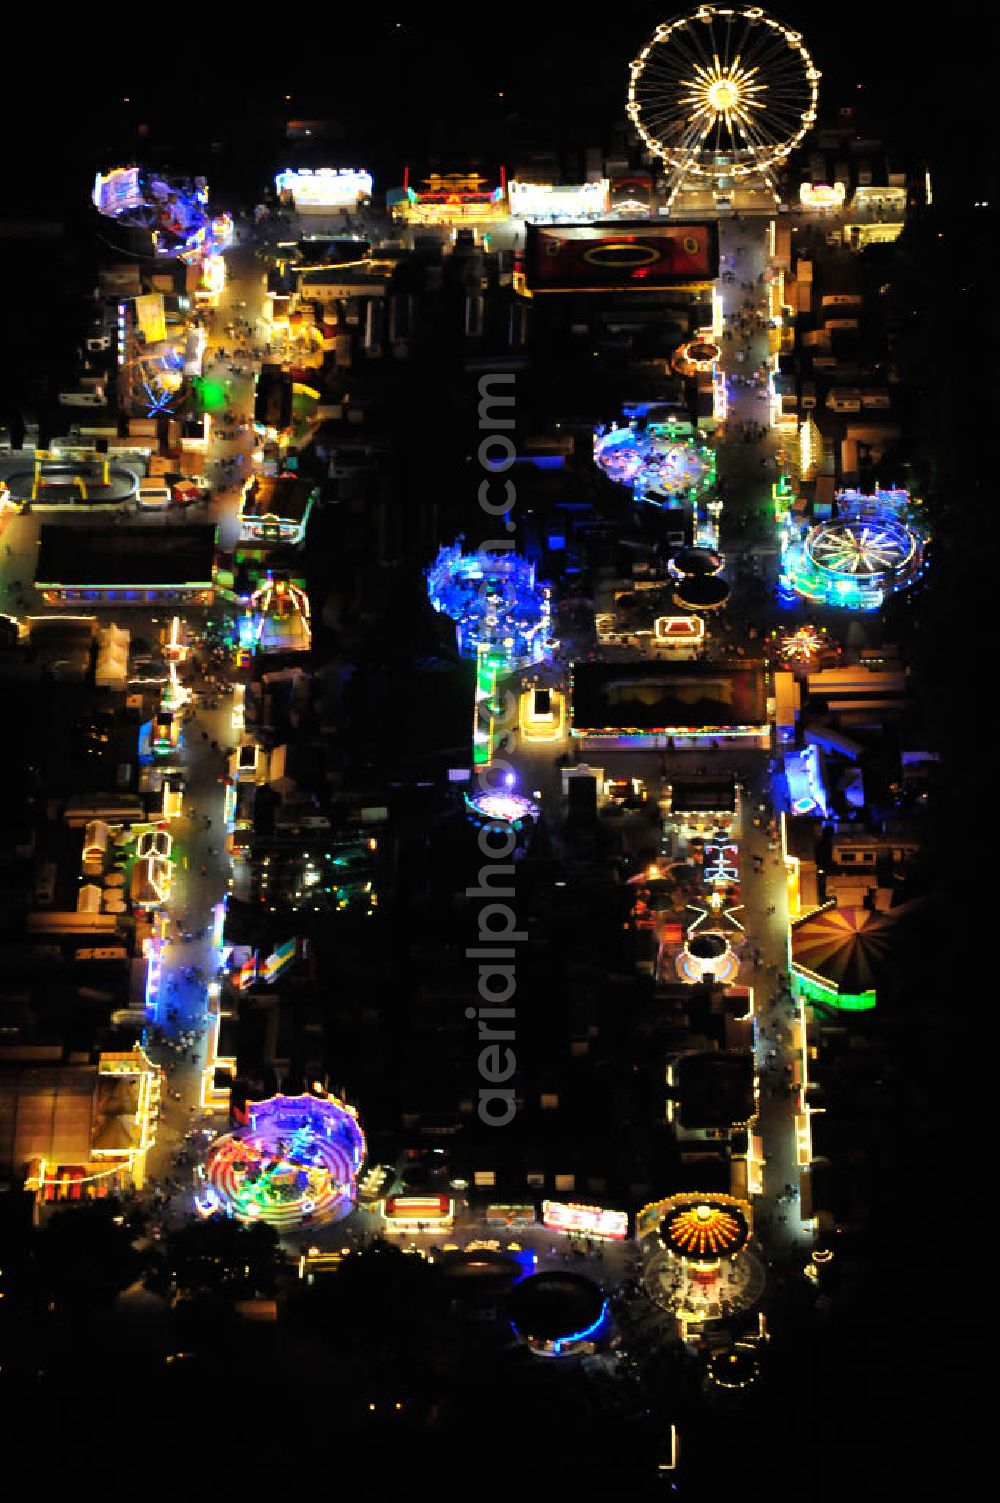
pixel 431 86
pixel 429 90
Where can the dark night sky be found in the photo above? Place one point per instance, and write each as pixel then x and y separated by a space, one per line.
pixel 405 92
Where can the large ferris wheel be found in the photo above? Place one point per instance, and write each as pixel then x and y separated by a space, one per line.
pixel 723 92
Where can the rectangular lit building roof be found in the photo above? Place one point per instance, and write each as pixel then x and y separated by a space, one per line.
pixel 106 556
pixel 714 794
pixel 645 255
pixel 45 1112
pixel 623 697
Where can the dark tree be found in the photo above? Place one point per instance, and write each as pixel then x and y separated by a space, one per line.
pixel 222 1257
pixel 85 1256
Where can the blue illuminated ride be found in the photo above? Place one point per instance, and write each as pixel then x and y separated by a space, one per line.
pixel 498 606
pixel 871 549
pixel 663 464
pixel 500 806
pixel 559 1314
pixel 174 211
pixel 804 779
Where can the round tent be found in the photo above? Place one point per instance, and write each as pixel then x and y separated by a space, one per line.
pixel 842 951
pixel 695 563
pixel 701 593
pixel 549 1310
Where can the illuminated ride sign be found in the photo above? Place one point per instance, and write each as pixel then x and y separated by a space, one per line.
pixel 821 195
pixel 451 198
pixel 621 255
pixel 874 547
pixel 213 275
pixel 678 631
pixel 721 864
pixel 417 1210
pixel 207 240
pixel 697 357
pixel 496 602
pixel 497 806
pixel 173 212
pixel 661 462
pixel 116 191
pixel 296 1160
pixel 326 188
pixel 558 201
pixel 803 645
pixel 280 958
pixel 697 1227
pixel 702 1232
pixel 151 318
pixel 543 1305
pixel 707 956
pixel 510 1215
pixel 835 954
pixel 804 776
pixel 633 194
pixel 278 617
pixel 584 1221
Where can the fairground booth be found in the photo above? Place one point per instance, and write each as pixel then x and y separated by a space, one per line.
pixel 450 200
pixel 323 190
pixel 78 1131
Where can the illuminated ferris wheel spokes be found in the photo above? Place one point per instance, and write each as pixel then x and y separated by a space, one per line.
pixel 730 91
pixel 860 549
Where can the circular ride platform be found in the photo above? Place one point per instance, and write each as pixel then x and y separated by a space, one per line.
pixel 296 1160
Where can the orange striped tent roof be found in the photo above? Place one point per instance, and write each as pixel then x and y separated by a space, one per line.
pixel 848 947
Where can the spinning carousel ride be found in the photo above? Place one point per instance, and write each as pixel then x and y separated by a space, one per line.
pixel 662 464
pixel 500 807
pixel 496 602
pixel 698 1264
pixel 870 550
pixel 296 1160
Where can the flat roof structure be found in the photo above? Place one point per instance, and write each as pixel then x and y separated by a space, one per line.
pixel 127 564
pixel 63 643
pixel 126 556
pixel 620 255
pixel 277 496
pixel 47 1110
pixel 716 1089
pixel 713 793
pixel 689 698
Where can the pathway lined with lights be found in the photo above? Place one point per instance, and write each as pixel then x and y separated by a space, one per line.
pixel 204 874
pixel 778 1027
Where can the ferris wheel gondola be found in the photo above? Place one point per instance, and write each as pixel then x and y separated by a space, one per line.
pixel 723 92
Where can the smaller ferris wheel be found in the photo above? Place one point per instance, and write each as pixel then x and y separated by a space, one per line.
pixel 862 548
pixel 723 92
